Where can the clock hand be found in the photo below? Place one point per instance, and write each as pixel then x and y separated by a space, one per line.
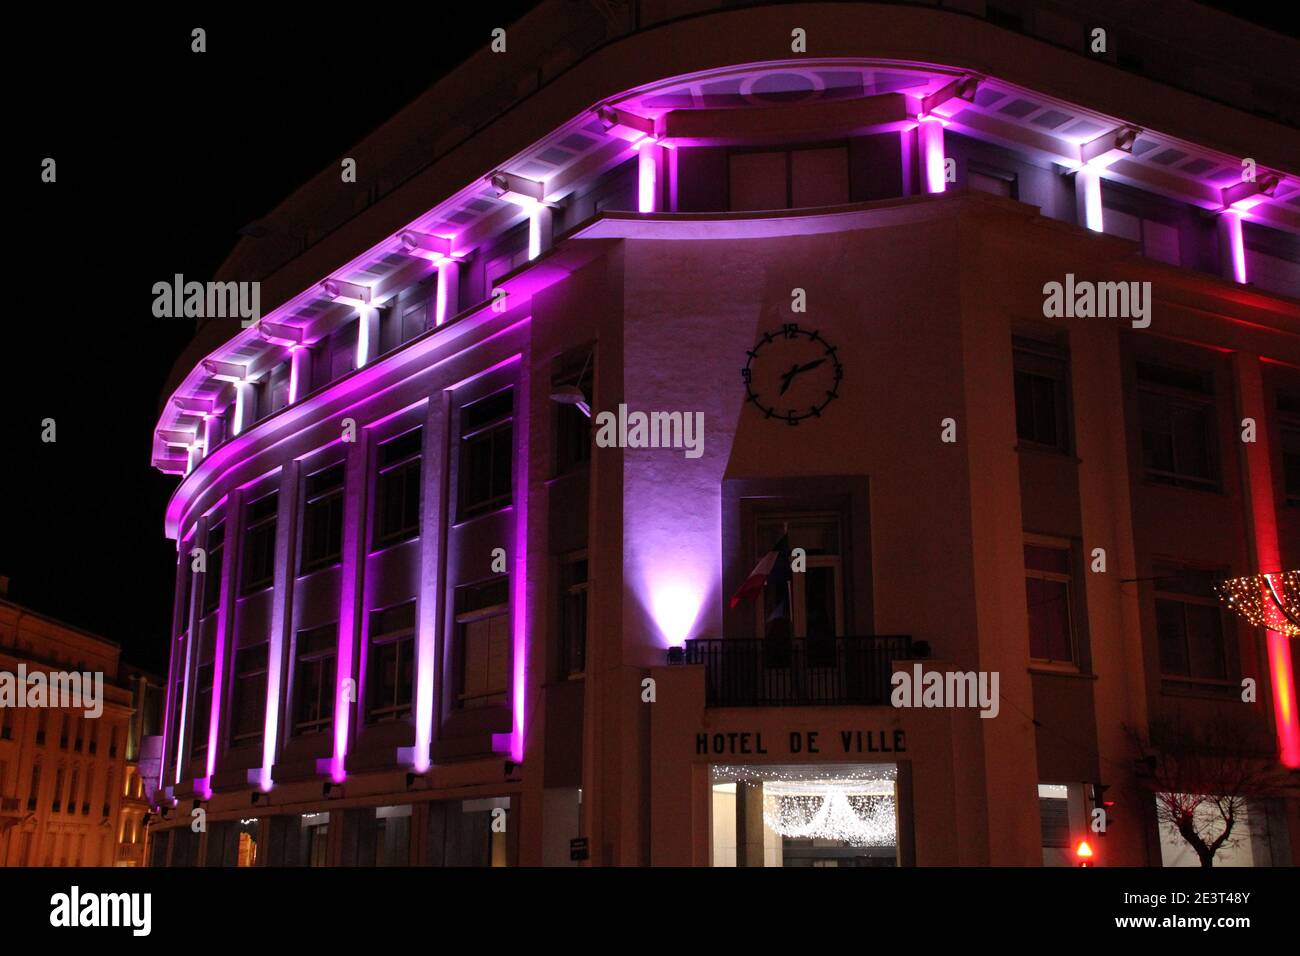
pixel 797 369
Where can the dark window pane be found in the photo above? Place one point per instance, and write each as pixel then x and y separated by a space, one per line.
pixel 1049 620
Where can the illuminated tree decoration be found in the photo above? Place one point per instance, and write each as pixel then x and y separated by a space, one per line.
pixel 1270 601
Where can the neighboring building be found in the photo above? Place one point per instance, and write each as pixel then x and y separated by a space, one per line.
pixel 62 773
pixel 143 765
pixel 427 603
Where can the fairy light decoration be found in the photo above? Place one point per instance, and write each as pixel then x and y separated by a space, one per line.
pixel 1265 600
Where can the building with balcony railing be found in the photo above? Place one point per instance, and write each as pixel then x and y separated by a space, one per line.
pixel 458 519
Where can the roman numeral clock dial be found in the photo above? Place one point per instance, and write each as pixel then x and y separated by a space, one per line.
pixel 792 374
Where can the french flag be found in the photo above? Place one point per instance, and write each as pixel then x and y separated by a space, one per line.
pixel 771 572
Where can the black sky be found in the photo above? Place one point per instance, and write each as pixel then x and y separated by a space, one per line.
pixel 162 156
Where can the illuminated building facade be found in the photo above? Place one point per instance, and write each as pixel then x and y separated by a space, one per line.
pixel 428 612
pixel 70 794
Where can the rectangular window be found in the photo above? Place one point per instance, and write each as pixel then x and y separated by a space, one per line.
pixel 249 704
pixel 1288 407
pixel 789 179
pixel 313 840
pixel 57 803
pixel 322 519
pixel 202 706
pixel 397 489
pixel 315 655
pixel 483 631
pixel 573 616
pixel 813 605
pixel 34 790
pixel 258 564
pixel 1189 624
pixel 390 681
pixel 573 424
pixel 278 387
pixel 1178 426
pixel 212 567
pixel 996 182
pixel 1048 580
pixel 486 454
pixel 1042 389
pixel 343 350
pixel 6 723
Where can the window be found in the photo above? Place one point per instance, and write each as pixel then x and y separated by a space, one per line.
pixel 1178 426
pixel 277 389
pixel 7 723
pixel 342 346
pixel 313 845
pixel 1189 624
pixel 63 732
pixel 391 669
pixel 1048 578
pixel 486 453
pixel 789 179
pixel 57 803
pixel 483 630
pixel 397 489
pixel 93 746
pixel 813 608
pixel 1041 388
pixel 72 790
pixel 249 702
pixel 42 720
pixel 1157 240
pixel 259 544
pixel 572 424
pixel 402 322
pixel 322 519
pixel 997 182
pixel 34 789
pixel 112 743
pixel 212 568
pixel 186 586
pixel 1288 407
pixel 108 794
pixel 573 616
pixel 202 698
pixel 313 678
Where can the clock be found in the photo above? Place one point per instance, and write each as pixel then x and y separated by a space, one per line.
pixel 792 374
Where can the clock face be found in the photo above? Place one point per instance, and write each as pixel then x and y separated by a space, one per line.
pixel 792 374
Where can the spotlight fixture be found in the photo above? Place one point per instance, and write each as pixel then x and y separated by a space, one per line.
pixel 676 654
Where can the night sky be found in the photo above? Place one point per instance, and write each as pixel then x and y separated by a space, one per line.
pixel 163 155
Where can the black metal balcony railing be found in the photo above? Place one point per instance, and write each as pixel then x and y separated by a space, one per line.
pixel 802 672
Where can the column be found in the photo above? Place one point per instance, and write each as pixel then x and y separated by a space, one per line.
pixel 447 299
pixel 1232 249
pixel 930 140
pixel 1268 555
pixel 1087 198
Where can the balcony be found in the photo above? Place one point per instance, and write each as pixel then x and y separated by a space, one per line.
pixel 812 672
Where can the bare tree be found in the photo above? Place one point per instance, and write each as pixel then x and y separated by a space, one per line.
pixel 1202 774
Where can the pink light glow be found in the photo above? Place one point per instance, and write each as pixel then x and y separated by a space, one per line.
pixel 930 138
pixel 1230 234
pixel 241 398
pixel 1088 194
pixel 647 176
pixel 675 606
pixel 1268 556
pixel 297 355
